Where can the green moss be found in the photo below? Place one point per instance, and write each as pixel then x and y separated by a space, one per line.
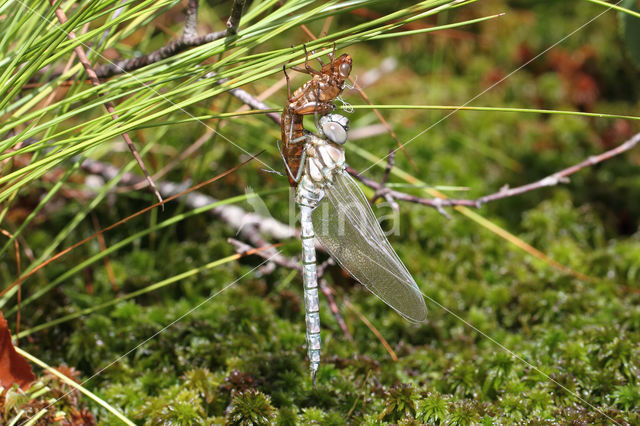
pixel 251 408
pixel 508 339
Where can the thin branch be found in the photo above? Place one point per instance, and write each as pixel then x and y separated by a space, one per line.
pixel 561 176
pixel 234 19
pixel 254 103
pixel 95 81
pixel 191 21
pixel 274 257
pixel 384 192
pixel 328 293
pixel 234 216
pixel 173 48
pixel 188 40
pixel 391 161
pixel 322 268
pixel 505 192
pixel 280 260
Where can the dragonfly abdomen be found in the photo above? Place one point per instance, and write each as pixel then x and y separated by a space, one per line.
pixel 310 281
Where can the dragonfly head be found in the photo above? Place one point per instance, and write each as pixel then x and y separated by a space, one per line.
pixel 344 67
pixel 334 127
pixel 338 68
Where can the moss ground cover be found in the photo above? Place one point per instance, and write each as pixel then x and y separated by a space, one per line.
pixel 509 338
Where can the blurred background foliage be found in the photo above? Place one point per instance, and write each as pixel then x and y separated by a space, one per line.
pixel 240 358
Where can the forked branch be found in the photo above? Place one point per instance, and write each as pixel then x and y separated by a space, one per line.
pixel 189 39
pixel 505 192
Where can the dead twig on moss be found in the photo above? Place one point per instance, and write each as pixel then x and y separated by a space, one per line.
pixel 328 293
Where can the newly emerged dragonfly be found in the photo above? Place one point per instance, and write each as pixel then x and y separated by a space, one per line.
pixel 347 228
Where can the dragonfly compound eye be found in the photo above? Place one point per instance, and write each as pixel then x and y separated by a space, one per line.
pixel 335 132
pixel 345 69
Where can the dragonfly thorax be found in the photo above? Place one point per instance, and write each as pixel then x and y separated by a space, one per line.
pixel 324 159
pixel 334 127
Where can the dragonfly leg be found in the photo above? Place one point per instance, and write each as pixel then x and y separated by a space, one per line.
pixel 291 129
pixel 286 165
pixel 286 76
pixel 306 62
pixel 333 56
pixel 275 172
pixel 315 114
pixel 302 70
pixel 298 140
pixel 303 158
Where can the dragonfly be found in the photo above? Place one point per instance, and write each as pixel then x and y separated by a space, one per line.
pixel 334 211
pixel 314 97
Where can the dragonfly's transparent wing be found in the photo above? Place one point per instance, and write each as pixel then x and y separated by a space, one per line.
pixel 347 228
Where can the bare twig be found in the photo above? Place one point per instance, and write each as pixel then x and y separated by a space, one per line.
pixel 384 192
pixel 250 226
pixel 561 176
pixel 280 260
pixel 270 254
pixel 391 161
pixel 171 49
pixel 254 103
pixel 328 293
pixel 188 40
pixel 191 21
pixel 505 192
pixel 322 268
pixel 95 81
pixel 234 19
pixel 234 216
pixel 431 202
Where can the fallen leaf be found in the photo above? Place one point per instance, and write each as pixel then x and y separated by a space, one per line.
pixel 13 367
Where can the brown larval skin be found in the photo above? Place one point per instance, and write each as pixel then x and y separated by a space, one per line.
pixel 316 96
